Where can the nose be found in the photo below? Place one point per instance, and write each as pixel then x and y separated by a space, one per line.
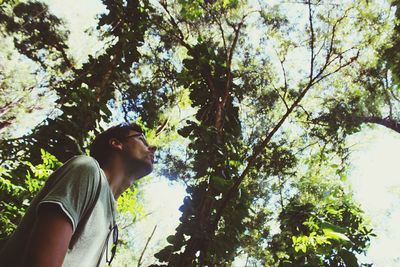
pixel 152 150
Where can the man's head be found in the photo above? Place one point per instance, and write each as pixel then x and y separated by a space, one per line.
pixel 127 142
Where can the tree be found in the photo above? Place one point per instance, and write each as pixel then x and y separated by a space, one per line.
pixel 374 96
pixel 262 99
pixel 40 38
pixel 328 235
pixel 214 211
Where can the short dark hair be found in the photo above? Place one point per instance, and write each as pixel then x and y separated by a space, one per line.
pixel 100 148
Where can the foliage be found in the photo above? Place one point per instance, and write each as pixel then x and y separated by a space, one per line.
pixel 253 103
pixel 34 180
pixel 42 39
pixel 128 203
pixel 223 74
pixel 40 172
pixel 326 235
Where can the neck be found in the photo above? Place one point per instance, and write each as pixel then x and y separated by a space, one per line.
pixel 117 177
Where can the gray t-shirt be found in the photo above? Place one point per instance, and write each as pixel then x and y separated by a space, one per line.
pixel 81 189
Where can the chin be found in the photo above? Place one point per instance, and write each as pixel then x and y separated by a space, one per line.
pixel 147 169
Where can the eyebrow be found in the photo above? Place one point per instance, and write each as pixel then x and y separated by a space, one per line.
pixel 138 135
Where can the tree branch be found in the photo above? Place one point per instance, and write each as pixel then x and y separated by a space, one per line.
pixel 312 40
pixel 252 159
pixel 221 105
pixel 387 122
pixel 351 60
pixel 145 247
pixel 328 60
pixel 181 37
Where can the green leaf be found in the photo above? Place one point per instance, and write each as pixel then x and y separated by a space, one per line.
pixel 326 225
pixel 287 264
pixel 220 184
pixel 335 235
pixel 171 239
pixel 349 258
pixel 164 254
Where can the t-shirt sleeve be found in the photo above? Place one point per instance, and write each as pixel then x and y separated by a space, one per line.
pixel 74 188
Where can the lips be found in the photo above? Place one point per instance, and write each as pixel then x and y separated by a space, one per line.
pixel 152 158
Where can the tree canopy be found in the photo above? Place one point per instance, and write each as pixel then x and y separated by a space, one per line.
pixel 251 103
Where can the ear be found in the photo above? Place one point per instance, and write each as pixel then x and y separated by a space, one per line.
pixel 115 144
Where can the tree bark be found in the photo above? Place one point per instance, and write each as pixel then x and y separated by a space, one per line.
pixel 387 122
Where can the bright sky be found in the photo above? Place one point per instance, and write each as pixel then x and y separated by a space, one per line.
pixel 80 17
pixel 375 176
pixel 375 180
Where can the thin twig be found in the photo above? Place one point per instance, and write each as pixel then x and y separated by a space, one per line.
pixel 145 247
pixel 181 37
pixel 312 40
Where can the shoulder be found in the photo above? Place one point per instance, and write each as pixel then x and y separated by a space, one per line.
pixel 82 164
pixel 82 161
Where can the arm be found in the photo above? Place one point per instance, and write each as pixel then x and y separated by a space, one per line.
pixel 51 235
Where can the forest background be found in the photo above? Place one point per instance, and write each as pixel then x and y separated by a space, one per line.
pixel 256 107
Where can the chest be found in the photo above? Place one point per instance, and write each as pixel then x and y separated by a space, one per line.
pixel 90 244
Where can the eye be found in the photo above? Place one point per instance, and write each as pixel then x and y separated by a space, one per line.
pixel 143 140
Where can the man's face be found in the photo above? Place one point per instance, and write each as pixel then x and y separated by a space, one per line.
pixel 138 154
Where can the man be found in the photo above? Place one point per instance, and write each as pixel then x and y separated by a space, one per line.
pixel 71 222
